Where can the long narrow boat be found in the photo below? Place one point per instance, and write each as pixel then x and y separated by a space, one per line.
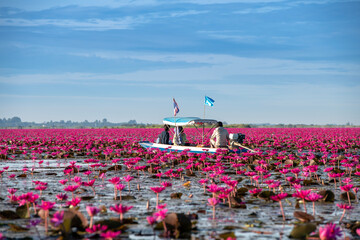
pixel 198 123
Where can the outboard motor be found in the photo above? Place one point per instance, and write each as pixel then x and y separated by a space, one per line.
pixel 237 137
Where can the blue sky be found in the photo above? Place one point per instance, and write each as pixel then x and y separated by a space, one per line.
pixel 262 61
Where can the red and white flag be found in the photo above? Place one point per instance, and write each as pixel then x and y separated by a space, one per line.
pixel 176 107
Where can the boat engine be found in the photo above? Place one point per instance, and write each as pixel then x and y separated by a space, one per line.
pixel 237 137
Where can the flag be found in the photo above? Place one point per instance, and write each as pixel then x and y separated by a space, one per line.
pixel 176 107
pixel 209 101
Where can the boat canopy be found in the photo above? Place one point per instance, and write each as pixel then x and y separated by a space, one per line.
pixel 185 121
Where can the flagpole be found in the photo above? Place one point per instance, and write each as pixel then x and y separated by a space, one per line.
pixel 202 141
pixel 174 118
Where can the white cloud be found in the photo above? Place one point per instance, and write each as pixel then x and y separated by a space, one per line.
pixel 36 5
pixel 261 10
pixel 211 68
pixel 67 97
pixel 97 24
pixel 89 24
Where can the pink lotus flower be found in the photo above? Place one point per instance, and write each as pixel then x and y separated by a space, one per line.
pixel 76 179
pixel 302 194
pixel 13 198
pixel 74 202
pixel 61 196
pixel 96 229
pixel 151 220
pixel 330 232
pixel 255 191
pixel 92 211
pixel 160 215
pixel 345 207
pixel 109 235
pixel 120 209
pixel 72 189
pixel 213 188
pixel 203 182
pixel 157 190
pixel 63 181
pixel 120 187
pixel 278 198
pixel 12 191
pixel 114 181
pixel 57 218
pixel 166 184
pixel 313 197
pixel 46 206
pixel 127 179
pixel 346 188
pixel 213 202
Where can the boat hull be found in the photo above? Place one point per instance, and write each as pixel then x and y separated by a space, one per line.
pixel 174 148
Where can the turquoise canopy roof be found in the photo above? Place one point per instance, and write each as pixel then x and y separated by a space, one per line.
pixel 183 121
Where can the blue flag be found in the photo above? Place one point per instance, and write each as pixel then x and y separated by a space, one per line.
pixel 209 101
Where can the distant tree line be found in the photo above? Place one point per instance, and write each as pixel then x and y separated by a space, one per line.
pixel 15 122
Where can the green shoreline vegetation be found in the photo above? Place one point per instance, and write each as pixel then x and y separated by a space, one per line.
pixel 16 123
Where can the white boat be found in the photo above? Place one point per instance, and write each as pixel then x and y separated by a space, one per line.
pixel 198 123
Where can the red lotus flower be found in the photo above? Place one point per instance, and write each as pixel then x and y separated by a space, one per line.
pixel 57 218
pixel 213 202
pixel 96 229
pixel 61 196
pixel 345 207
pixel 12 191
pixel 157 189
pixel 278 198
pixel 109 235
pixel 330 232
pixel 46 205
pixel 74 202
pixel 120 209
pixel 92 211
pixel 63 181
pixel 346 188
pixel 302 194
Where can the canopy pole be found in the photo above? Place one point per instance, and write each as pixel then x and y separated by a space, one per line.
pixel 202 141
pixel 174 119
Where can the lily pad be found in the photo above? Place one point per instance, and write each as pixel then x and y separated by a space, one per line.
pixel 87 198
pixel 302 230
pixel 22 211
pixel 227 235
pixel 265 195
pixel 176 195
pixel 328 196
pixel 17 228
pixel 303 216
pixel 344 196
pixel 9 215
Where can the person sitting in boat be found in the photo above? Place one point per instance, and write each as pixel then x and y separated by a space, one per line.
pixel 164 136
pixel 179 136
pixel 220 137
